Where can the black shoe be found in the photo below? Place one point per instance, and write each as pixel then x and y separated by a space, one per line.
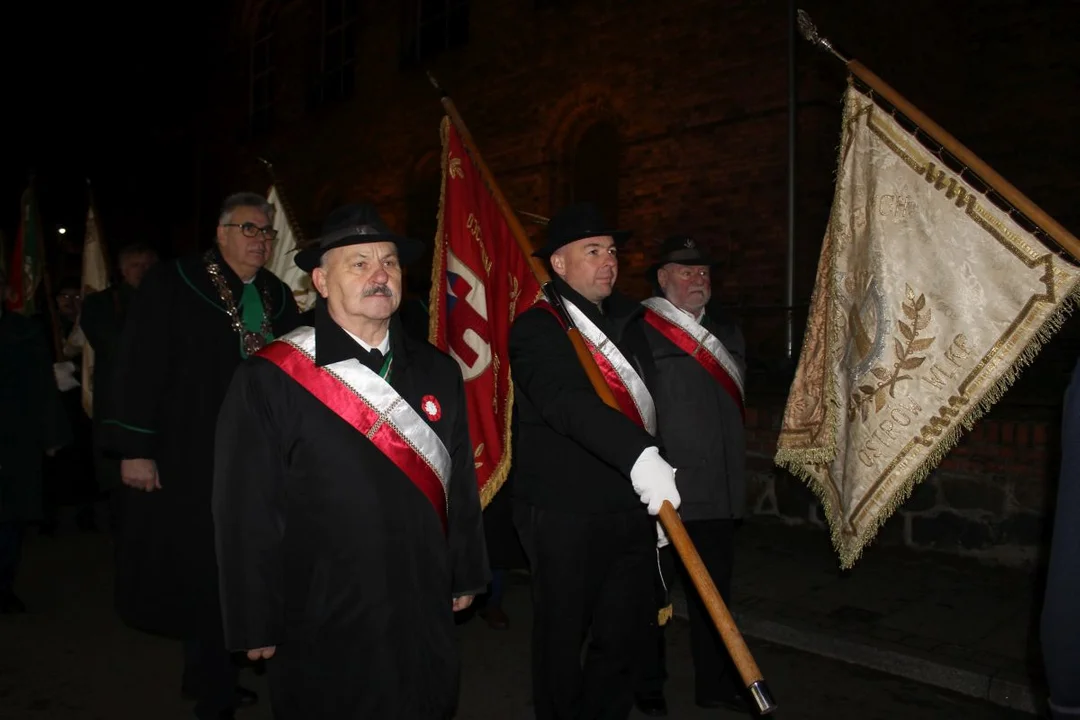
pixel 10 604
pixel 246 698
pixel 652 705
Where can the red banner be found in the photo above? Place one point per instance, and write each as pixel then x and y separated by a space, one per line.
pixel 480 282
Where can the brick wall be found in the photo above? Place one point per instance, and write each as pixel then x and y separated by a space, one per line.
pixel 697 91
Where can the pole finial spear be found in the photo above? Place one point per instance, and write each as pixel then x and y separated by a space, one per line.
pixel 435 84
pixel 810 32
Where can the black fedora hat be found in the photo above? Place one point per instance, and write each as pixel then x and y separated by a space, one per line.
pixel 575 222
pixel 356 224
pixel 679 249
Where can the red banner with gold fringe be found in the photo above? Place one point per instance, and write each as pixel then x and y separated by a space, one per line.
pixel 480 282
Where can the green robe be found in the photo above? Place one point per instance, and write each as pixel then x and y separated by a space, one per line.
pixel 32 420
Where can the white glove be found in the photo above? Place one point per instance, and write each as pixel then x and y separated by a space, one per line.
pixel 661 536
pixel 654 481
pixel 64 372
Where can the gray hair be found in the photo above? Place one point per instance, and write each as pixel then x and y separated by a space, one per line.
pixel 244 199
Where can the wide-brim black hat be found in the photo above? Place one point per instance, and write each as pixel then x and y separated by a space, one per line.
pixel 576 222
pixel 356 224
pixel 681 250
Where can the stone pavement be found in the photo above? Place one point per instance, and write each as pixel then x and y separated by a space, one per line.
pixel 946 621
pixel 70 659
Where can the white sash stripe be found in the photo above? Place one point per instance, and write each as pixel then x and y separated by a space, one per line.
pixel 639 393
pixel 381 397
pixel 665 309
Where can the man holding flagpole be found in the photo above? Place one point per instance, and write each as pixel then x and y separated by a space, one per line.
pixel 585 471
pixel 347 516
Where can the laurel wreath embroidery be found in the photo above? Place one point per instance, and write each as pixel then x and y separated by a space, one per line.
pixel 906 350
pixel 476 454
pixel 455 168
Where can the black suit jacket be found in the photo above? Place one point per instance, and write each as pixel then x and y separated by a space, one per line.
pixel 572 452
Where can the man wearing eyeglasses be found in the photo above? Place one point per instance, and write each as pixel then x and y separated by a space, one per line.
pixel 700 364
pixel 191 323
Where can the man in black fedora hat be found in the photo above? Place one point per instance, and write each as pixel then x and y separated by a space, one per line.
pixel 345 500
pixel 700 364
pixel 589 477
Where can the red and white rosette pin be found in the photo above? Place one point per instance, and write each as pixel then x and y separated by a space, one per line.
pixel 431 408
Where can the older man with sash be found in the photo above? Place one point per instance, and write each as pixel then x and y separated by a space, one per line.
pixel 699 401
pixel 589 477
pixel 348 520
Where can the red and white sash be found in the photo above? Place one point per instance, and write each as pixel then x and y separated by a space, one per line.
pixel 698 343
pixel 629 389
pixel 367 402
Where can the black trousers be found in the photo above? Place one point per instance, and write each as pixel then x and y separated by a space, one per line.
pixel 714 673
pixel 591 576
pixel 209 671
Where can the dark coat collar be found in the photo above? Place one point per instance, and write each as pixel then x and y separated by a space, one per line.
pixel 333 344
pixel 614 313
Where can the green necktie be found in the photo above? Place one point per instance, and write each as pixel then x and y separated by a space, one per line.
pixel 252 308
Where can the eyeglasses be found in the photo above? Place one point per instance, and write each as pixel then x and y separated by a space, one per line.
pixel 687 273
pixel 251 230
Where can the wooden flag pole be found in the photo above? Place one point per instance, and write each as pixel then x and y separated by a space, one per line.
pixel 676 531
pixel 1062 237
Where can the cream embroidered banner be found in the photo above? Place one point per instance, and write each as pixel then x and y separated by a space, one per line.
pixel 283 253
pixel 928 300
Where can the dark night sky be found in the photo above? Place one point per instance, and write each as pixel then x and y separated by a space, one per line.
pixel 86 91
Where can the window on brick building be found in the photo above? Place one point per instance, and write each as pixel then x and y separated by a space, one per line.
pixel 591 170
pixel 429 27
pixel 337 78
pixel 261 110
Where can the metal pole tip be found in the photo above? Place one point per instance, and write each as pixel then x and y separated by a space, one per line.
pixel 807 28
pixel 809 31
pixel 763 699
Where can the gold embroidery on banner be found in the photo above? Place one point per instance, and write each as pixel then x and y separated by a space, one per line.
pixel 810 440
pixel 473 226
pixel 515 293
pixel 906 359
pixel 455 170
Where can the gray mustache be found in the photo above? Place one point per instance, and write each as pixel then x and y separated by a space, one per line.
pixel 378 290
